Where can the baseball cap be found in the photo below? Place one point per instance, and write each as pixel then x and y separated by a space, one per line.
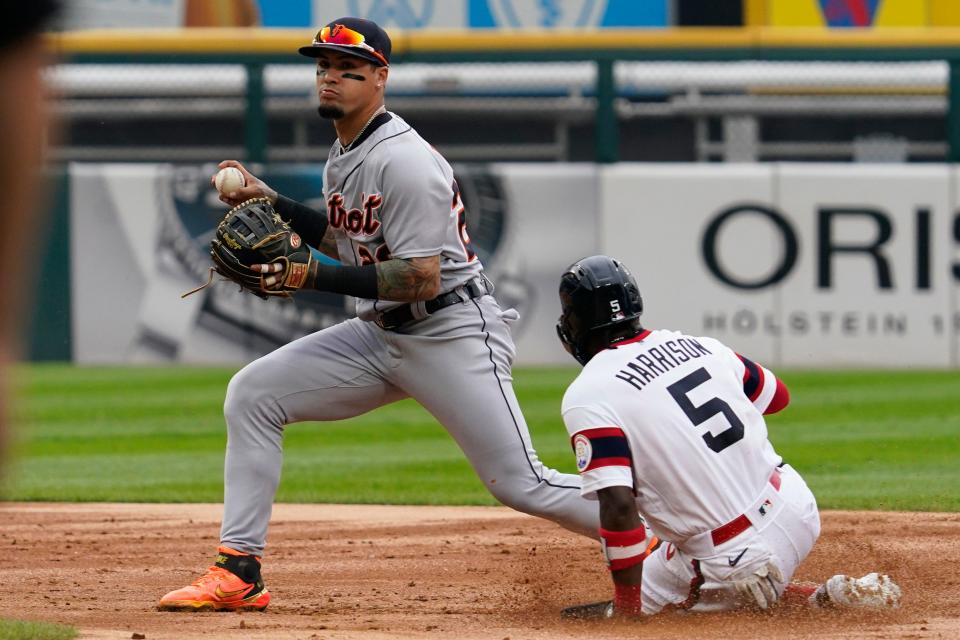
pixel 356 36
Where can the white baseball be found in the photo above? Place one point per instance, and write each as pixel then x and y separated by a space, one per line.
pixel 228 180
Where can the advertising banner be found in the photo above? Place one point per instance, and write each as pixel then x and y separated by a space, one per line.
pixel 106 14
pixel 141 233
pixel 798 265
pixel 162 14
pixel 856 13
pixel 802 265
pixel 498 14
pixel 396 14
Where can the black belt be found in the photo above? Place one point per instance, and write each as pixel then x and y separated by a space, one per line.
pixel 394 318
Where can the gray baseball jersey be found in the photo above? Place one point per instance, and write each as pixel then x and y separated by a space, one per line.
pixel 393 196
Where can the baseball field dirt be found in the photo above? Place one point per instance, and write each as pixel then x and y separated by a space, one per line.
pixel 373 572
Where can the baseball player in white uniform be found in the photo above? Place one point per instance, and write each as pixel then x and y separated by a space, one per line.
pixel 428 326
pixel 697 510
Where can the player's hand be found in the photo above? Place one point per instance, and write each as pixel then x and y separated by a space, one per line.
pixel 285 273
pixel 761 585
pixel 254 187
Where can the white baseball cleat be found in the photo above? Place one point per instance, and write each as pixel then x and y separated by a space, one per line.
pixel 872 591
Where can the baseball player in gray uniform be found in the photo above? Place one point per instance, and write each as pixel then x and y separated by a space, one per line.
pixel 427 325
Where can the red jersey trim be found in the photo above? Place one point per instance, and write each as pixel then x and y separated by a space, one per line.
pixel 596 463
pixel 781 398
pixel 637 338
pixel 600 432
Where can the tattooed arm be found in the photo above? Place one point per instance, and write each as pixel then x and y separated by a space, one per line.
pixel 409 280
pixel 401 280
pixel 328 245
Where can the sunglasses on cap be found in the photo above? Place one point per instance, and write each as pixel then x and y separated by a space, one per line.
pixel 346 37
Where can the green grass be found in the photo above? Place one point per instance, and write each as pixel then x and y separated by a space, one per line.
pixel 863 440
pixel 20 630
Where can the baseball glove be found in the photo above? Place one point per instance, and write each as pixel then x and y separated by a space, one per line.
pixel 253 234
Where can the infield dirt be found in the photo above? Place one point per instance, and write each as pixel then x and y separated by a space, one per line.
pixel 372 572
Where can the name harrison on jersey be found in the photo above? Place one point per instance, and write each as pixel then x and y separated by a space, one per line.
pixel 655 361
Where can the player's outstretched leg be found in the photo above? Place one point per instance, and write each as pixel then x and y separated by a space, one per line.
pixel 233 583
pixel 872 591
pixel 473 398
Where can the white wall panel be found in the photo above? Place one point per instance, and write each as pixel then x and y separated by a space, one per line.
pixel 866 295
pixel 654 218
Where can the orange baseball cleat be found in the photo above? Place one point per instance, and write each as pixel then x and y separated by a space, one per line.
pixel 233 583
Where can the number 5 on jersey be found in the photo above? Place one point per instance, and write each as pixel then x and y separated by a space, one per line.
pixel 710 408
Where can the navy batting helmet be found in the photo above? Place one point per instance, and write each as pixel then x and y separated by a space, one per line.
pixel 599 302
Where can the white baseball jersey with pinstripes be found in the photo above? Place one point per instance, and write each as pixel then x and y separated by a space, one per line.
pixel 679 419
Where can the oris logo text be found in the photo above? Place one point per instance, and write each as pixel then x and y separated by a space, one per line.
pixel 872 247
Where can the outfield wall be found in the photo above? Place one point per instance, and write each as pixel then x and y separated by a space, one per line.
pixel 796 265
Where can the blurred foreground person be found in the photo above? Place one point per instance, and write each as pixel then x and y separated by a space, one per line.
pixel 23 128
pixel 672 426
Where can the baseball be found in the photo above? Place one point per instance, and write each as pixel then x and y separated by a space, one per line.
pixel 228 180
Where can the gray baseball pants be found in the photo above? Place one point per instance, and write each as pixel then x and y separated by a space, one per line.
pixel 456 363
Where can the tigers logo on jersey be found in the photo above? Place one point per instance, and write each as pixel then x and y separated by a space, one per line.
pixel 582 450
pixel 355 222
